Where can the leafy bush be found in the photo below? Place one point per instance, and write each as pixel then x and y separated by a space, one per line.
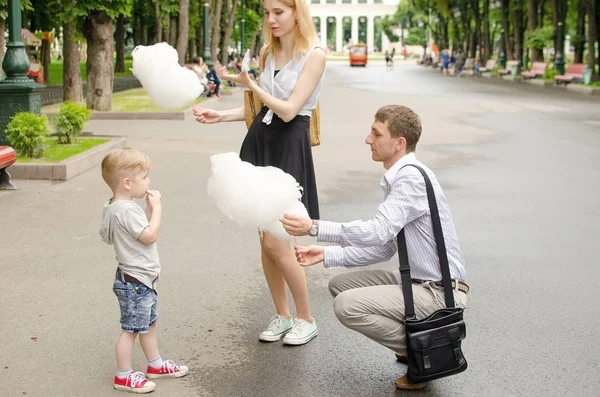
pixel 550 73
pixel 69 121
pixel 539 38
pixel 27 133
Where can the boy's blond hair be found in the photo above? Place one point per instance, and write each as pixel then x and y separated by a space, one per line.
pixel 122 163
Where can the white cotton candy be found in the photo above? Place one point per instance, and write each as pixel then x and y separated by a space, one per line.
pixel 254 197
pixel 246 61
pixel 169 84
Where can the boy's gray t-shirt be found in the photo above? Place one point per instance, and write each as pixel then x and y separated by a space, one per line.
pixel 122 223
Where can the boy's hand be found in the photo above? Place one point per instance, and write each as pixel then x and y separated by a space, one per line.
pixel 153 198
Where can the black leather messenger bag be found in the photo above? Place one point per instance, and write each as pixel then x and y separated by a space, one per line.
pixel 433 343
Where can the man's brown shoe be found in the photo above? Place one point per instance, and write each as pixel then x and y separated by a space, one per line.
pixel 402 358
pixel 403 383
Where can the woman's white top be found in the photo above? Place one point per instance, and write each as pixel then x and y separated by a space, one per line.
pixel 282 85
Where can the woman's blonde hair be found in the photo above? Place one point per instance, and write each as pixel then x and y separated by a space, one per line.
pixel 305 29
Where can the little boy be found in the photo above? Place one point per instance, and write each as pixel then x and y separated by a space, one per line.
pixel 133 234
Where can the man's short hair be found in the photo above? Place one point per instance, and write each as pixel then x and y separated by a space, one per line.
pixel 402 122
pixel 123 162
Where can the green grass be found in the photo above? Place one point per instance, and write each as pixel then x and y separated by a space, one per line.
pixel 135 100
pixel 56 71
pixel 56 152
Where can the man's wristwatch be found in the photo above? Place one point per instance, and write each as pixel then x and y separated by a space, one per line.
pixel 314 229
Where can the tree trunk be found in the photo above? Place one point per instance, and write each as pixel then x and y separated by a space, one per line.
pixel 2 39
pixel 184 29
pixel 137 30
pixel 120 45
pixel 166 27
pixel 191 53
pixel 590 10
pixel 487 47
pixel 98 31
pixel 597 7
pixel 173 31
pixel 580 32
pixel 456 41
pixel 554 7
pixel 509 48
pixel 541 13
pixel 46 59
pixel 477 33
pixel 157 22
pixel 72 88
pixel 532 18
pixel 518 31
pixel 200 39
pixel 227 33
pixel 215 29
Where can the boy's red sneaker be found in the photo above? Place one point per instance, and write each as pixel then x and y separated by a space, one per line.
pixel 168 370
pixel 135 382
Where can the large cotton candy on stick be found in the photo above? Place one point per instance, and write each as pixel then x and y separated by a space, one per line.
pixel 252 196
pixel 170 85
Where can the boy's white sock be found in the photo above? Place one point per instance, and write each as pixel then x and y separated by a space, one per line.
pixel 122 373
pixel 156 363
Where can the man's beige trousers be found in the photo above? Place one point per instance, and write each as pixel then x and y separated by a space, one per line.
pixel 371 302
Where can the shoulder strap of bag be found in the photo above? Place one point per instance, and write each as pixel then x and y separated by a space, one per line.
pixel 441 249
pixel 264 56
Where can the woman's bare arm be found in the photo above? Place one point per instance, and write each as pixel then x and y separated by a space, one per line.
pixel 305 86
pixel 233 115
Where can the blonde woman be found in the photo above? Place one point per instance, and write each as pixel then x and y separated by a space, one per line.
pixel 290 83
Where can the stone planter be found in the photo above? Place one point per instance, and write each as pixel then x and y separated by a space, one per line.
pixel 131 115
pixel 67 168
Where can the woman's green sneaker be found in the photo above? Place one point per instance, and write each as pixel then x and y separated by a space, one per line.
pixel 302 332
pixel 277 328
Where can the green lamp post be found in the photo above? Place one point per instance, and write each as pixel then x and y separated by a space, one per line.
pixel 502 57
pixel 559 59
pixel 207 56
pixel 18 93
pixel 243 33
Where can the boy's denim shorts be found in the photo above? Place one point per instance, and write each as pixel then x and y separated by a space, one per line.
pixel 139 306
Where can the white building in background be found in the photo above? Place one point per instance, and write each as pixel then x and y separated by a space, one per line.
pixel 361 13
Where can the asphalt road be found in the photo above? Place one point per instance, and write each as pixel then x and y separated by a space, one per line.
pixel 519 165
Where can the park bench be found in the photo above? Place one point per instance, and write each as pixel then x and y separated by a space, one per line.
pixel 574 72
pixel 7 158
pixel 538 69
pixel 489 65
pixel 508 68
pixel 468 68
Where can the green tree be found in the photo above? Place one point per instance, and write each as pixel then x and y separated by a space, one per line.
pixel 98 17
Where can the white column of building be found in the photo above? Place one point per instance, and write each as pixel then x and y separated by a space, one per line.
pixel 339 24
pixel 354 36
pixel 385 43
pixel 370 32
pixel 324 31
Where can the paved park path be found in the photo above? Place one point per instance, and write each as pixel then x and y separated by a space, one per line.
pixel 520 168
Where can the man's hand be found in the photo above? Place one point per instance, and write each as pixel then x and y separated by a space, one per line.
pixel 296 225
pixel 311 255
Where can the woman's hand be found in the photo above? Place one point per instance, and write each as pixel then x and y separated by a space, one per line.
pixel 311 255
pixel 207 116
pixel 242 78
